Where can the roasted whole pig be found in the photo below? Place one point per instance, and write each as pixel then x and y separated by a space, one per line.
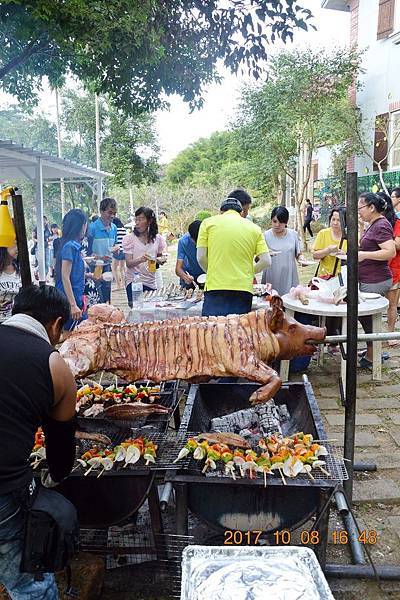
pixel 103 313
pixel 195 348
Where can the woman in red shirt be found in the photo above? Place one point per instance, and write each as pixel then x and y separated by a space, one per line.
pixel 393 294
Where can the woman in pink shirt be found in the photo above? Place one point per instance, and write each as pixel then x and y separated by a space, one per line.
pixel 141 246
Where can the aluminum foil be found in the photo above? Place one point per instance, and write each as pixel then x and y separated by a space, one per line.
pixel 252 573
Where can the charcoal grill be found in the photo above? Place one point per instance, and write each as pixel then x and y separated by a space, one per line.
pixel 246 504
pixel 116 494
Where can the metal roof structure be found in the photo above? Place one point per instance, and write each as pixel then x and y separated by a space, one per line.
pixel 17 161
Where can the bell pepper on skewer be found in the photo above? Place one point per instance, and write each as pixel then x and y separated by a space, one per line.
pixel 189 447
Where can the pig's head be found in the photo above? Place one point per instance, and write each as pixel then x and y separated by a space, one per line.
pixel 294 338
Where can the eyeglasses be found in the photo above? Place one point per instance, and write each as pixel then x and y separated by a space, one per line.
pixel 363 206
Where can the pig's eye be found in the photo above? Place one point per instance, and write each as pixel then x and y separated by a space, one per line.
pixel 292 328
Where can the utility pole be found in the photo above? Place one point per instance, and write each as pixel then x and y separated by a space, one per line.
pixel 62 185
pixel 99 179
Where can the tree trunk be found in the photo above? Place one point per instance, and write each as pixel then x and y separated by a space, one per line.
pixel 383 184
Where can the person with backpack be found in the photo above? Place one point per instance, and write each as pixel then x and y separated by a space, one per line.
pixel 38 390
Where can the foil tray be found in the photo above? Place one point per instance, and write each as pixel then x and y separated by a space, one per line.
pixel 248 573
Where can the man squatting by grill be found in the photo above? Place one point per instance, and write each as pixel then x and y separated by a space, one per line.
pixel 37 389
pixel 227 245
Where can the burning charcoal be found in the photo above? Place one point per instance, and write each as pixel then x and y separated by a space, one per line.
pixel 283 411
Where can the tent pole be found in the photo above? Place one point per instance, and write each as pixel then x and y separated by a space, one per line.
pixel 39 221
pixel 352 326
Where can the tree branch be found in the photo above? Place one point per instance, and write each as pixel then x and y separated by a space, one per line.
pixel 32 48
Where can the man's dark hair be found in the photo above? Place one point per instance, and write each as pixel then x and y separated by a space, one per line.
pixel 193 229
pixel 44 303
pixel 107 203
pixel 241 195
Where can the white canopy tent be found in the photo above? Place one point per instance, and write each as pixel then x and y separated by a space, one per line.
pixel 38 167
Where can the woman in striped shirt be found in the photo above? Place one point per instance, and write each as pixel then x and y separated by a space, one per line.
pixel 118 261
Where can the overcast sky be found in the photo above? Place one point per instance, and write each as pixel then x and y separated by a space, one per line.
pixel 178 127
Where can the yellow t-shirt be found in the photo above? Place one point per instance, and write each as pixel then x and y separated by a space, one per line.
pixel 232 243
pixel 323 240
pixel 163 225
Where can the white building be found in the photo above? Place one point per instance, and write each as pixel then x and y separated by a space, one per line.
pixel 375 28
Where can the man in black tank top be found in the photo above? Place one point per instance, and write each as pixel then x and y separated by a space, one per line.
pixel 36 389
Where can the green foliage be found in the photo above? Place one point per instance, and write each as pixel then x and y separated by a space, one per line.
pixel 128 144
pixel 304 101
pixel 209 161
pixel 201 215
pixel 136 51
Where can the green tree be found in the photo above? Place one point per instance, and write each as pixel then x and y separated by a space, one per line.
pixel 303 105
pixel 213 161
pixel 136 51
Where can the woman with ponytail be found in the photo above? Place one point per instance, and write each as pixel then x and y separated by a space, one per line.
pixel 142 247
pixel 377 248
pixel 70 266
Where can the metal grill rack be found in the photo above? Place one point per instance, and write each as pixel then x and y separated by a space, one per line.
pixel 138 560
pixel 119 436
pixel 334 465
pixel 169 398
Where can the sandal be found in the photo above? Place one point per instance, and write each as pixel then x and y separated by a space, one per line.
pixel 364 363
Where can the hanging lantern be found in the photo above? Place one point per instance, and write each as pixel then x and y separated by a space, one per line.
pixel 7 231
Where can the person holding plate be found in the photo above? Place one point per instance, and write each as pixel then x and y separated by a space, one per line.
pixel 143 249
pixel 282 273
pixel 329 245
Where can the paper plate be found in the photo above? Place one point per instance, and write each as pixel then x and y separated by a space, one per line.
pixel 202 278
pixel 370 295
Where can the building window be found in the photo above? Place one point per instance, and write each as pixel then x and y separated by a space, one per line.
pixel 385 18
pixel 395 140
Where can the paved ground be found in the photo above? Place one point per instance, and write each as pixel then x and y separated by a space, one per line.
pixel 376 494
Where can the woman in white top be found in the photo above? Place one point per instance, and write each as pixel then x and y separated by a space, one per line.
pixel 282 273
pixel 10 280
pixel 143 250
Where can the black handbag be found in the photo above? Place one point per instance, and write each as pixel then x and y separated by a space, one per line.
pixel 51 533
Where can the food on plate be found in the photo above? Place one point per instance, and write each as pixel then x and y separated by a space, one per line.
pixel 194 348
pixel 288 456
pixel 104 313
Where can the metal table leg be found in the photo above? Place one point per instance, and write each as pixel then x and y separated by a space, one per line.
pixel 320 362
pixel 377 348
pixel 284 368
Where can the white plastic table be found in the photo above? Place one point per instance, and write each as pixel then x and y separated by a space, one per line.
pixel 374 308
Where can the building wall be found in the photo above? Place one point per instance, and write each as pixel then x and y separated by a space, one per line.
pixel 381 88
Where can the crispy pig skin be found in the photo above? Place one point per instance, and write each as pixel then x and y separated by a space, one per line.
pixel 194 348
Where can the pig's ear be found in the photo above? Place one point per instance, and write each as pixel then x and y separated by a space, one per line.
pixel 277 315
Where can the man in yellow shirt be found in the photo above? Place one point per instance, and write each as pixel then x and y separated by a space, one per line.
pixel 226 248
